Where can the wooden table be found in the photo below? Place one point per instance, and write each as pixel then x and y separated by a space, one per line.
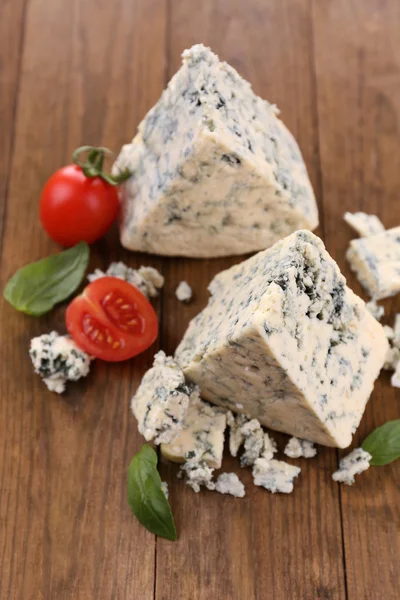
pixel 86 71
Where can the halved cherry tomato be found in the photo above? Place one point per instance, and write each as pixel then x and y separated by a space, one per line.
pixel 112 320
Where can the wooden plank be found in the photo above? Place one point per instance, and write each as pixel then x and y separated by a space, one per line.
pixel 12 14
pixel 263 546
pixel 357 53
pixel 89 72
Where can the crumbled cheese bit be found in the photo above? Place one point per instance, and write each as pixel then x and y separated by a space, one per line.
pixel 395 380
pixel 202 431
pixel 197 472
pixel 376 263
pixel 375 310
pixel 269 447
pixel 353 464
pixel 164 487
pixel 389 332
pixel 296 448
pixel 146 279
pixel 275 475
pixel 253 442
pixel 229 483
pixel 153 279
pixel 364 224
pixel 162 399
pixel 57 359
pixel 396 332
pixel 392 359
pixel 236 436
pixel 184 292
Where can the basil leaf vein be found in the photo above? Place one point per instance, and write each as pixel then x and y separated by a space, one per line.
pixel 145 496
pixel 384 443
pixel 36 288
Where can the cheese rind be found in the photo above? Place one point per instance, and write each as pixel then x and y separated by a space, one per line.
pixel 162 399
pixel 283 336
pixel 215 171
pixel 376 262
pixel 201 432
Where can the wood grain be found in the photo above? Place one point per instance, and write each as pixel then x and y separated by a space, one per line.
pixel 252 548
pixel 66 528
pixel 86 72
pixel 357 54
pixel 12 16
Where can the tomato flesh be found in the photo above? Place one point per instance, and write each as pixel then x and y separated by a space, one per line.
pixel 112 320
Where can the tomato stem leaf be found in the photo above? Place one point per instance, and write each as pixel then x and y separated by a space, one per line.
pixel 93 165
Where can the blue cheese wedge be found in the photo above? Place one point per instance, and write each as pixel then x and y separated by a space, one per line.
pixel 215 171
pixel 57 359
pixel 275 475
pixel 146 279
pixel 376 262
pixel 229 483
pixel 365 225
pixel 296 448
pixel 283 336
pixel 353 464
pixel 201 433
pixel 162 400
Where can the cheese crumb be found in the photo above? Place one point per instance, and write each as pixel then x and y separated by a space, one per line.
pixel 375 310
pixel 296 448
pixel 392 359
pixel 184 292
pixel 57 359
pixel 275 475
pixel 395 380
pixel 364 224
pixel 164 488
pixel 396 331
pixel 197 472
pixel 229 483
pixel 146 279
pixel 389 332
pixel 353 464
pixel 269 448
pixel 253 442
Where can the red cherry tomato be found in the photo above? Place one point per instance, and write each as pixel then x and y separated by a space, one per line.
pixel 112 320
pixel 75 208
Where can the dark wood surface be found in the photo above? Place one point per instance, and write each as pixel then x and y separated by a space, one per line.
pixel 87 71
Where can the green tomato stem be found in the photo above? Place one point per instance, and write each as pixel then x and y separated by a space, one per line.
pixel 93 165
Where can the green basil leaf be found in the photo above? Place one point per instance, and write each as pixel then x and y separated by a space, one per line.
pixel 384 443
pixel 37 287
pixel 145 496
